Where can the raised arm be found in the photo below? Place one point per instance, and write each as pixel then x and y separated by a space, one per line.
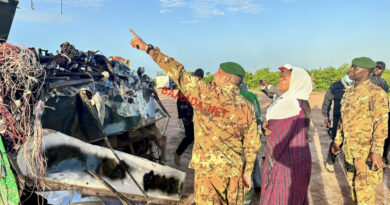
pixel 273 89
pixel 264 88
pixel 267 92
pixel 188 83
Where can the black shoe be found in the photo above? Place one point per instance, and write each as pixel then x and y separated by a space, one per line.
pixel 258 189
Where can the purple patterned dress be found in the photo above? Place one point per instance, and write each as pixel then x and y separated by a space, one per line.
pixel 287 165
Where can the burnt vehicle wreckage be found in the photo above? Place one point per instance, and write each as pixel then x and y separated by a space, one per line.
pixel 79 126
pixel 94 97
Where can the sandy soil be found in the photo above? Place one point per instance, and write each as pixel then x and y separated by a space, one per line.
pixel 325 188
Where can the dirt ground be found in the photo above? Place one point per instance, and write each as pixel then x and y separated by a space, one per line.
pixel 325 188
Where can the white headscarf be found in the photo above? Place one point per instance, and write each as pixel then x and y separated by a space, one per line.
pixel 287 104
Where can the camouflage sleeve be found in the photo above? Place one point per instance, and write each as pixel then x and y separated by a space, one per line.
pixel 251 143
pixel 188 83
pixel 380 117
pixel 338 140
pixel 327 103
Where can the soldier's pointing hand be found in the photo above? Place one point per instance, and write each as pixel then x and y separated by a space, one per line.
pixel 137 42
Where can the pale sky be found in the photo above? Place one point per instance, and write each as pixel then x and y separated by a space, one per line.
pixel 204 33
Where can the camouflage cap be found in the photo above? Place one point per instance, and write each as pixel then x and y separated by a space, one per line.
pixel 233 68
pixel 364 62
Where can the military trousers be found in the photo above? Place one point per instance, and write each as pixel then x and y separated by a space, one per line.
pixel 188 139
pixel 218 189
pixel 363 184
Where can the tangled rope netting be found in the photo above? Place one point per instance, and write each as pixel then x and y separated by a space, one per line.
pixel 21 81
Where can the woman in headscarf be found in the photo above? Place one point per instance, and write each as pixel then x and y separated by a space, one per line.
pixel 287 165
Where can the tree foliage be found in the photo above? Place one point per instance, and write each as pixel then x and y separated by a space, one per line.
pixel 321 77
pixel 252 80
pixel 209 77
pixel 324 77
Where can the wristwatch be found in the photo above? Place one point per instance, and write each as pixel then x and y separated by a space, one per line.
pixel 376 153
pixel 150 47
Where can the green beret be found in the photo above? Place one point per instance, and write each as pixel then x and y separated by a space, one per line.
pixel 364 62
pixel 234 69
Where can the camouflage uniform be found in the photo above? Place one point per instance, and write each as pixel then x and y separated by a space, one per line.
pixel 362 130
pixel 224 136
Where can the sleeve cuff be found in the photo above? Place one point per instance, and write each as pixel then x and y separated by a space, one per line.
pixel 249 169
pixel 155 53
pixel 377 151
pixel 249 165
pixel 337 142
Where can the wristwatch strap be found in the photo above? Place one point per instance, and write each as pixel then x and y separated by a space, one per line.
pixel 150 47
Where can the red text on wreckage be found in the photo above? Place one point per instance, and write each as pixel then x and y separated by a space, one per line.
pixel 194 102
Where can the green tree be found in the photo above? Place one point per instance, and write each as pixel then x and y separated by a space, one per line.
pixel 252 80
pixel 321 77
pixel 209 77
pixel 386 76
pixel 324 77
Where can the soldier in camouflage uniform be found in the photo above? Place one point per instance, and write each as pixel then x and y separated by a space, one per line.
pixel 226 135
pixel 362 131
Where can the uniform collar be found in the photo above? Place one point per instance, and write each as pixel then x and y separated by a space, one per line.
pixel 363 85
pixel 231 88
